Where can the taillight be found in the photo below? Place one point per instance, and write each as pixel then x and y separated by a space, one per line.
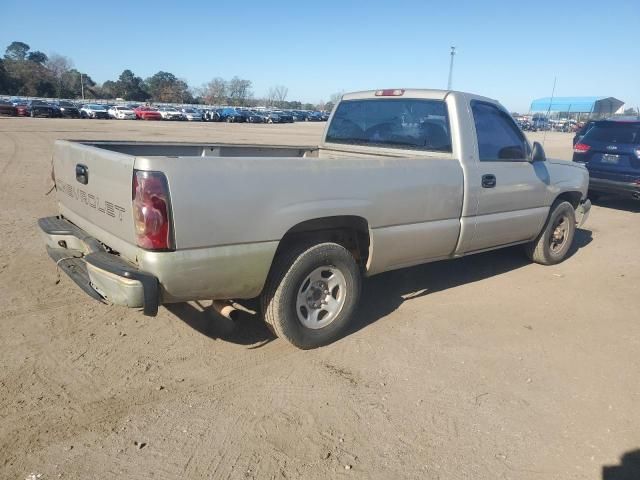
pixel 581 148
pixel 390 92
pixel 152 211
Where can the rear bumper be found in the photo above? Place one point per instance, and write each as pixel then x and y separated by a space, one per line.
pixel 626 189
pixel 102 275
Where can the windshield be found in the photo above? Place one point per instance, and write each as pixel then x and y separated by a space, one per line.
pixel 96 107
pixel 615 133
pixel 403 123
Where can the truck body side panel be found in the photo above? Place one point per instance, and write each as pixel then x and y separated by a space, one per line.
pixel 248 200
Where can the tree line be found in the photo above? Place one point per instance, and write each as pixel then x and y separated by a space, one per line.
pixel 32 73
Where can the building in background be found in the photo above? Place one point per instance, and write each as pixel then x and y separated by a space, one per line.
pixel 576 108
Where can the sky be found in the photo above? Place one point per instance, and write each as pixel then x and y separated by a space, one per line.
pixel 507 50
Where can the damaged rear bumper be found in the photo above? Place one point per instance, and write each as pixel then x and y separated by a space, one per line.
pixel 103 275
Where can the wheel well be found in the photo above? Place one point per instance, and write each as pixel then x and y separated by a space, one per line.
pixel 350 231
pixel 572 197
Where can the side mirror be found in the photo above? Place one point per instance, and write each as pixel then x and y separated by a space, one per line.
pixel 537 153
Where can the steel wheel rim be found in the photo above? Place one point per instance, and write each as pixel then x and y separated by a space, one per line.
pixel 321 297
pixel 559 234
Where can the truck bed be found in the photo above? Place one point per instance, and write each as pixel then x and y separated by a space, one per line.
pixel 224 195
pixel 178 149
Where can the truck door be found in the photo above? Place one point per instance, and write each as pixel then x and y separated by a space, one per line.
pixel 512 192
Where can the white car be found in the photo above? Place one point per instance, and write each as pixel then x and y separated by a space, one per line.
pixel 122 113
pixel 192 114
pixel 170 113
pixel 93 111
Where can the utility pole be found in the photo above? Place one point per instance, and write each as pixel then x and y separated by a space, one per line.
pixel 453 52
pixel 82 86
pixel 553 92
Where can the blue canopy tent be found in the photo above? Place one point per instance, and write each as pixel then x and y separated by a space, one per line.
pixel 596 106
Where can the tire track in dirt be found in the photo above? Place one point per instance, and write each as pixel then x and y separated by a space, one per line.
pixel 11 156
pixel 91 414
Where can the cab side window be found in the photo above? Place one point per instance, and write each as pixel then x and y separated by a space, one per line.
pixel 499 138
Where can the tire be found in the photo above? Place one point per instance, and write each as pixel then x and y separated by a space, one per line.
pixel 311 274
pixel 553 243
pixel 33 115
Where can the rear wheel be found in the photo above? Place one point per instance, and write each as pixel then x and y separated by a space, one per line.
pixel 554 241
pixel 311 294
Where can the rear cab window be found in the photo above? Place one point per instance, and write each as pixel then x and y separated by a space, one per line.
pixel 417 124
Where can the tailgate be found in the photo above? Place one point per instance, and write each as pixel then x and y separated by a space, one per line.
pixel 99 201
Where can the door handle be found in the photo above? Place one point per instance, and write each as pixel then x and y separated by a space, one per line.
pixel 488 181
pixel 82 174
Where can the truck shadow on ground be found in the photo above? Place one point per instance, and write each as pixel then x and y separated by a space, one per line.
pixel 381 294
pixel 629 468
pixel 247 330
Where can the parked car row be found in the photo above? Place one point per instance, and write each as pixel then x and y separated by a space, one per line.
pixel 39 108
pixel 62 108
pixel 261 115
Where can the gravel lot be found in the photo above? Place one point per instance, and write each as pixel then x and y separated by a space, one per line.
pixel 488 367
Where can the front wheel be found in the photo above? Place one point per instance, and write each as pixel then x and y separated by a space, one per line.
pixel 553 243
pixel 311 294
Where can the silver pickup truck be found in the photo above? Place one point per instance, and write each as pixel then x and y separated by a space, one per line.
pixel 402 177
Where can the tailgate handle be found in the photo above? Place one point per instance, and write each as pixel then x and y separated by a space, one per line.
pixel 82 174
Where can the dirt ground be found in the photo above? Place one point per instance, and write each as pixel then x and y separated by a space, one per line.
pixel 488 367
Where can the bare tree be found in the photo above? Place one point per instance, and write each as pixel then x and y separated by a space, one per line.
pixel 278 95
pixel 239 91
pixel 271 97
pixel 58 65
pixel 336 97
pixel 333 100
pixel 215 92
